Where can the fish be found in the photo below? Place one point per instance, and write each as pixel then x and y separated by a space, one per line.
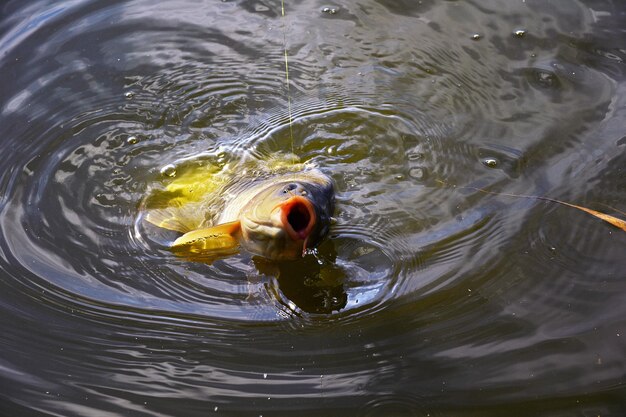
pixel 270 213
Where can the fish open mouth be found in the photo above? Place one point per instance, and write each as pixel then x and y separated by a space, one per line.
pixel 298 217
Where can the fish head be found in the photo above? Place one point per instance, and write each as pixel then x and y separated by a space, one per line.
pixel 288 217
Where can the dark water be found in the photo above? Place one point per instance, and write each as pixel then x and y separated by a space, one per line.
pixel 426 300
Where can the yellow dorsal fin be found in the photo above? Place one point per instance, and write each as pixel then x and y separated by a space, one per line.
pixel 172 218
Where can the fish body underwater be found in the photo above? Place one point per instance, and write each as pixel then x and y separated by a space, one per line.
pixel 274 213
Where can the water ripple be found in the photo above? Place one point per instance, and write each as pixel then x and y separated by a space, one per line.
pixel 428 296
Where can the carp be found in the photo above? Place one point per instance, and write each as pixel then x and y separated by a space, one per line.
pixel 276 215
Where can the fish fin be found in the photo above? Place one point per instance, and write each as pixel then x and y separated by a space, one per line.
pixel 171 218
pixel 216 238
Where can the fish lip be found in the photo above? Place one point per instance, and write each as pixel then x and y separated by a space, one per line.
pixel 287 207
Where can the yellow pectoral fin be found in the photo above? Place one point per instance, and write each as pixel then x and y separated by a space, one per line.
pixel 220 239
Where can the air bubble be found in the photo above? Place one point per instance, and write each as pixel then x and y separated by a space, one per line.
pixel 330 10
pixel 131 140
pixel 417 173
pixel 129 95
pixel 520 33
pixel 169 171
pixel 415 156
pixel 476 37
pixel 490 162
pixel 546 79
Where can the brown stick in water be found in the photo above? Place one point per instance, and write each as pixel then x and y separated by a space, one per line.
pixel 615 221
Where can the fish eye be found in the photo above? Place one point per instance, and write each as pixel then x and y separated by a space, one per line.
pixel 290 187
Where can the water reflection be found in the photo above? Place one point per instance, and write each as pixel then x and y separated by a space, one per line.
pixel 312 284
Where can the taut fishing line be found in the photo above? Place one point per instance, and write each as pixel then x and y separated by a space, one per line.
pixel 282 8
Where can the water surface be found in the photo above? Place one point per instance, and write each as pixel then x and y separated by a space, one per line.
pixel 426 299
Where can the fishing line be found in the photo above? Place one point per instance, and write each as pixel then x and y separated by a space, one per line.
pixel 282 8
pixel 615 221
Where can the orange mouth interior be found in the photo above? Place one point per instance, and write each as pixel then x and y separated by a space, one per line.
pixel 298 216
